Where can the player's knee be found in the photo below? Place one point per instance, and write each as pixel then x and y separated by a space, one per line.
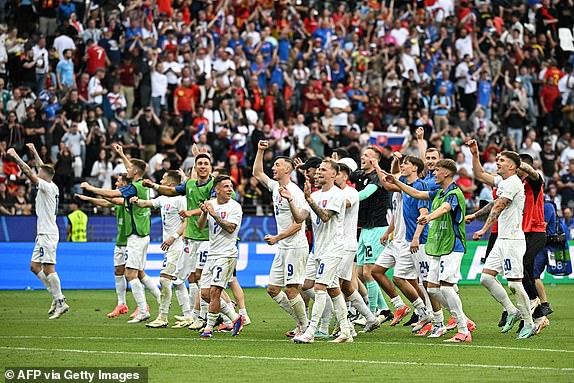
pixel 486 279
pixel 514 286
pixel 434 291
pixel 35 268
pixel 272 290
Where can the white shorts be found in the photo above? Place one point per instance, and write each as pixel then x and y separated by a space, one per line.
pixel 199 250
pixel 184 264
pixel 397 255
pixel 506 257
pixel 119 256
pixel 288 267
pixel 327 271
pixel 345 270
pixel 422 263
pixel 45 249
pixel 171 258
pixel 136 252
pixel 217 272
pixel 311 266
pixel 445 268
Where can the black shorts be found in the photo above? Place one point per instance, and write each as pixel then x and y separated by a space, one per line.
pixel 491 240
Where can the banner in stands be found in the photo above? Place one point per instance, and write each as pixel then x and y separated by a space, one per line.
pixel 90 265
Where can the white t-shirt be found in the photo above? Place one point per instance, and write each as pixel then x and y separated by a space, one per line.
pixel 159 85
pixel 223 244
pixel 41 57
pixel 329 236
pixel 95 85
pixel 300 131
pixel 400 35
pixel 47 208
pixel 464 46
pixel 283 215
pixel 170 208
pixel 341 118
pixel 63 42
pixel 400 233
pixel 351 218
pixel 510 220
pixel 169 68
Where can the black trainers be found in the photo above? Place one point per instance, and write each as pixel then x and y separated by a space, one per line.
pixel 503 319
pixel 546 309
pixel 385 315
pixel 218 321
pixel 414 319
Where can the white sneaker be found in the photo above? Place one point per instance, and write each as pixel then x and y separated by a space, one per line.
pixel 180 318
pixel 372 326
pixel 438 331
pixel 59 311
pixel 197 324
pixel 344 337
pixel 157 323
pixel 52 307
pixel 184 322
pixel 246 320
pixel 422 323
pixel 141 317
pixel 360 321
pixel 303 339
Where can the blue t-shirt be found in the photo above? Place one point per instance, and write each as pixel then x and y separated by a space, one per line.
pixel 267 51
pixel 235 43
pixel 449 86
pixel 550 217
pixel 456 214
pixel 261 77
pixel 353 92
pixel 283 50
pixel 128 192
pixel 411 213
pixel 484 91
pixel 277 77
pixel 66 71
pixel 430 180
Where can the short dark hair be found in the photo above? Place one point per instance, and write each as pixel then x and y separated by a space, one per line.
pixel 286 159
pixel 174 176
pixel 343 168
pixel 415 161
pixel 220 178
pixel 512 156
pixel 525 157
pixel 447 164
pixel 433 150
pixel 140 165
pixel 49 170
pixel 376 150
pixel 203 155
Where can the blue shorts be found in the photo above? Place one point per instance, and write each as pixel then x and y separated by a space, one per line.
pixel 540 263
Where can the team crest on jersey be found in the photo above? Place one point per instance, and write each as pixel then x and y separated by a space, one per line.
pixel 323 203
pixel 223 214
pixel 167 206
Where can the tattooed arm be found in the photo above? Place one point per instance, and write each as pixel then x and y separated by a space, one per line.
pixel 24 166
pixel 499 205
pixel 532 173
pixel 324 214
pixel 480 214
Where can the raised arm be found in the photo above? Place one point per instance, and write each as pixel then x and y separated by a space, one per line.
pixel 106 193
pixel 142 202
pixel 299 215
pixel 418 194
pixel 101 202
pixel 382 177
pixel 258 164
pixel 477 169
pixel 421 142
pixel 161 189
pixel 24 166
pixel 532 173
pixel 34 152
pixel 118 148
pixel 499 205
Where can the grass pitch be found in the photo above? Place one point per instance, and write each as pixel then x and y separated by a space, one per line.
pixel 85 337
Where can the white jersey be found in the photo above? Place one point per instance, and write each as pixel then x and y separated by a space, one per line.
pixel 400 232
pixel 47 208
pixel 510 220
pixel 223 244
pixel 283 215
pixel 351 218
pixel 329 236
pixel 170 208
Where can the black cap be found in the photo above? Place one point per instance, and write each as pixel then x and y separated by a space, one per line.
pixel 312 162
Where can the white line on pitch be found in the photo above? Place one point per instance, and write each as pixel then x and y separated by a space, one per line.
pixel 320 360
pixel 284 341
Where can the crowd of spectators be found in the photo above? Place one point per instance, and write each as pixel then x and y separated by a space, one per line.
pixel 309 76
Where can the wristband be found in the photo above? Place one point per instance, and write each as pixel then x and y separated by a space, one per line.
pixel 175 236
pixel 156 187
pixel 289 200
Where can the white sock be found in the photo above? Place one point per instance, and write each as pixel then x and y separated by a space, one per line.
pixel 455 307
pixel 139 295
pixel 522 301
pixel 227 310
pixel 243 312
pixel 194 314
pixel 398 303
pixel 165 300
pixel 436 294
pixel 283 302
pixel 54 282
pixel 42 277
pixel 497 291
pixel 298 307
pixel 193 289
pixel 420 308
pixel 121 287
pixel 152 287
pixel 211 318
pixel 357 301
pixel 341 313
pixel 426 297
pixel 318 308
pixel 204 306
pixel 438 318
pixel 326 317
pixel 183 299
pixel 310 293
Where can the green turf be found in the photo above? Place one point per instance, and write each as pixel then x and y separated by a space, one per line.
pixel 262 352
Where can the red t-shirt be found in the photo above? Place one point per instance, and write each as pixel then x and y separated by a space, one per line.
pixel 533 217
pixel 549 94
pixel 184 98
pixel 96 59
